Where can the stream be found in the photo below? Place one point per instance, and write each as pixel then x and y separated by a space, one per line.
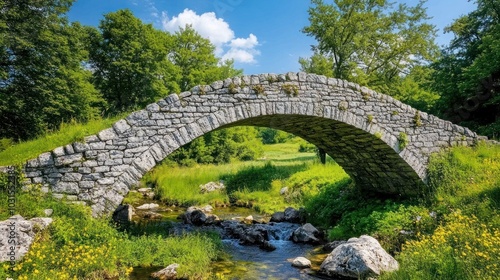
pixel 248 261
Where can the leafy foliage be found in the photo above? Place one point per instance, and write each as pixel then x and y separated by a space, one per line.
pixel 220 146
pixel 130 62
pixel 42 80
pixel 467 76
pixel 369 42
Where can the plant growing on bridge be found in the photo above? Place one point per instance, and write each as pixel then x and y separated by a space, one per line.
pixel 290 89
pixel 259 89
pixel 417 121
pixel 403 140
pixel 232 88
pixel 272 79
pixel 378 135
pixel 369 118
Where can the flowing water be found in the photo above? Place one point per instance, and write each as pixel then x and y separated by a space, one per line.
pixel 248 261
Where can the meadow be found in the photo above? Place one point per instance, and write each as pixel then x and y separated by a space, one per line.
pixel 450 232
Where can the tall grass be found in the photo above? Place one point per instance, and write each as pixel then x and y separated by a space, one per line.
pixel 67 133
pixel 77 246
pixel 248 181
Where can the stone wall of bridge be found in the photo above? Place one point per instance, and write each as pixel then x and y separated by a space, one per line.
pixel 383 144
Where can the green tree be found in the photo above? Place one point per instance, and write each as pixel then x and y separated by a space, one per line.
pixel 42 78
pixel 196 60
pixel 221 146
pixel 318 63
pixel 467 76
pixel 370 42
pixel 130 62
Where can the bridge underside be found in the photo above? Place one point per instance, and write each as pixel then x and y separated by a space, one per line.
pixel 369 161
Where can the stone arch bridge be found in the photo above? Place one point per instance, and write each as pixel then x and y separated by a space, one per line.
pixel 383 144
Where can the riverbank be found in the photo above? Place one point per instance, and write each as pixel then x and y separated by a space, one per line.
pixel 450 232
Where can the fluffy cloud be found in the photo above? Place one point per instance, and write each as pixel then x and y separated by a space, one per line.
pixel 218 32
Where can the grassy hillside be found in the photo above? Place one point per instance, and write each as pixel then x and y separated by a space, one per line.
pixel 68 133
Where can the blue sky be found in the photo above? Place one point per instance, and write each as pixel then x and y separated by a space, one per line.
pixel 262 36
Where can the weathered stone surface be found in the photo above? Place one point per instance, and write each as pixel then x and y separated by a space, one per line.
pixel 301 262
pixel 20 232
pixel 66 160
pixel 148 206
pixel 292 215
pixel 306 234
pixel 359 258
pixel 212 186
pixel 107 134
pixel 329 247
pixel 169 272
pixel 330 113
pixel 278 217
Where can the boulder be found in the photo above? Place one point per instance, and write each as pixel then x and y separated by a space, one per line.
pixel 148 206
pixel 212 219
pixel 123 214
pixel 256 234
pixel 267 246
pixel 248 219
pixel 212 186
pixel 359 258
pixel 278 217
pixel 306 234
pixel 329 247
pixel 198 217
pixel 301 262
pixel 169 272
pixel 22 232
pixel 292 215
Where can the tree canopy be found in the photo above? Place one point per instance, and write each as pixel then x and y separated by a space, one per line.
pixel 373 43
pixel 467 76
pixel 42 81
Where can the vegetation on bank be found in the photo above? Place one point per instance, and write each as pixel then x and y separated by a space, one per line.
pixel 77 246
pixel 451 229
pixel 451 232
pixel 254 183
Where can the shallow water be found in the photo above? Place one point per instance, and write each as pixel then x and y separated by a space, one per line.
pixel 250 262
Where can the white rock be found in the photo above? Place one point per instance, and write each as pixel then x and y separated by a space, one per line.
pixel 148 206
pixel 21 231
pixel 301 262
pixel 359 258
pixel 169 272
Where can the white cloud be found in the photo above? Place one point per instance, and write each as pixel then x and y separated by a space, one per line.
pixel 218 32
pixel 249 43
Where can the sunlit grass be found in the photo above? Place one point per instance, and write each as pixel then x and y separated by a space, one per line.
pixel 180 185
pixel 68 133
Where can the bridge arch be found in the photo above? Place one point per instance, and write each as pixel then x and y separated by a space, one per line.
pixel 383 144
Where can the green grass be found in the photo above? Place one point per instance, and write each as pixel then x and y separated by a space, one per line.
pixel 78 246
pixel 249 182
pixel 68 133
